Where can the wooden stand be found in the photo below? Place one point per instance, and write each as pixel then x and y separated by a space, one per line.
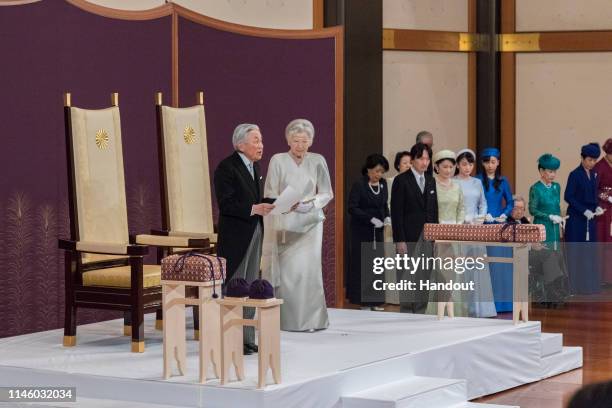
pixel 520 274
pixel 174 301
pixel 267 322
pixel 450 309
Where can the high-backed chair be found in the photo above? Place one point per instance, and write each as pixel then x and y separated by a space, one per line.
pixel 184 172
pixel 184 177
pixel 104 266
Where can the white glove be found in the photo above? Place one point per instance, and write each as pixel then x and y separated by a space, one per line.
pixel 376 222
pixel 488 218
pixel 589 214
pixel 599 211
pixel 503 217
pixel 304 207
pixel 468 219
pixel 610 199
pixel 387 221
pixel 556 219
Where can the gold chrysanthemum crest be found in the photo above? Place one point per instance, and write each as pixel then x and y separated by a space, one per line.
pixel 102 139
pixel 189 135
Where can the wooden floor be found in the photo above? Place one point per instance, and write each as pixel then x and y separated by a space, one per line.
pixel 586 324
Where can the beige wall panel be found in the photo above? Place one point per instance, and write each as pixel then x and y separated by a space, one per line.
pixel 286 14
pixel 441 15
pixel 563 102
pixel 424 91
pixel 563 15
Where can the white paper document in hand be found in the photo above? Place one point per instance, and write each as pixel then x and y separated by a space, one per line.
pixel 287 199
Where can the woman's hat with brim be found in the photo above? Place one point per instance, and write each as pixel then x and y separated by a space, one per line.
pixel 443 154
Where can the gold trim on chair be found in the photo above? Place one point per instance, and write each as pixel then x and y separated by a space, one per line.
pixel 127 330
pixel 69 341
pixel 138 347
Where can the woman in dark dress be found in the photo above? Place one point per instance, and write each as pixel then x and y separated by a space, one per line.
pixel 369 213
pixel 582 200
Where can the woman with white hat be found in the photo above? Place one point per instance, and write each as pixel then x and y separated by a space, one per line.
pixel 450 211
pixel 475 204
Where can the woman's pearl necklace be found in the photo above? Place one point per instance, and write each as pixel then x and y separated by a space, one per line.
pixel 375 192
pixel 447 183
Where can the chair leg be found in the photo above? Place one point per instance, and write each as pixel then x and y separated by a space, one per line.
pixel 70 324
pixel 159 319
pixel 70 311
pixel 137 311
pixel 127 323
pixel 138 329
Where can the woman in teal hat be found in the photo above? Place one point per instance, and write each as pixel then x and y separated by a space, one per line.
pixel 545 199
pixel 548 265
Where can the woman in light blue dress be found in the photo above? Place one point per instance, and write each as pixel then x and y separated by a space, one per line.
pixel 481 303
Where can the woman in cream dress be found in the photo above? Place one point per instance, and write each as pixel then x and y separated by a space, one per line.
pixel 291 258
pixel 450 211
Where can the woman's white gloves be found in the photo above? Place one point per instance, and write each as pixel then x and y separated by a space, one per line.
pixel 556 219
pixel 303 208
pixel 377 223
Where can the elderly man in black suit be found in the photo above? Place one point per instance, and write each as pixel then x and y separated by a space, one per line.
pixel 239 190
pixel 414 201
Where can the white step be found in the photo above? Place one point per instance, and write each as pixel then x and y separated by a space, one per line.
pixel 101 403
pixel 413 392
pixel 479 405
pixel 568 359
pixel 552 343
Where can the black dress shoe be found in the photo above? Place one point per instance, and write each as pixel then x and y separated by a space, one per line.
pixel 252 346
pixel 246 350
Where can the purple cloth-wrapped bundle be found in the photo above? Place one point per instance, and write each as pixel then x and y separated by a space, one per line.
pixel 193 267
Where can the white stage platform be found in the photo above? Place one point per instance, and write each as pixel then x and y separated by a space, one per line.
pixel 365 359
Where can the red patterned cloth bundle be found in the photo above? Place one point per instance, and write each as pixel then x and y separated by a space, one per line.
pixel 193 267
pixel 485 232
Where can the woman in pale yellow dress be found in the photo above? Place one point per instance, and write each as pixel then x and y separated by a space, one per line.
pixel 450 211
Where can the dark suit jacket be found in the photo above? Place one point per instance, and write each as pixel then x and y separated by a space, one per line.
pixel 411 209
pixel 236 193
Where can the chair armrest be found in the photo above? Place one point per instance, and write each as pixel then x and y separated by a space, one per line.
pixel 106 248
pixel 172 241
pixel 211 236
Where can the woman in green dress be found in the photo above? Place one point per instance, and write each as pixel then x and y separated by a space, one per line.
pixel 450 211
pixel 548 270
